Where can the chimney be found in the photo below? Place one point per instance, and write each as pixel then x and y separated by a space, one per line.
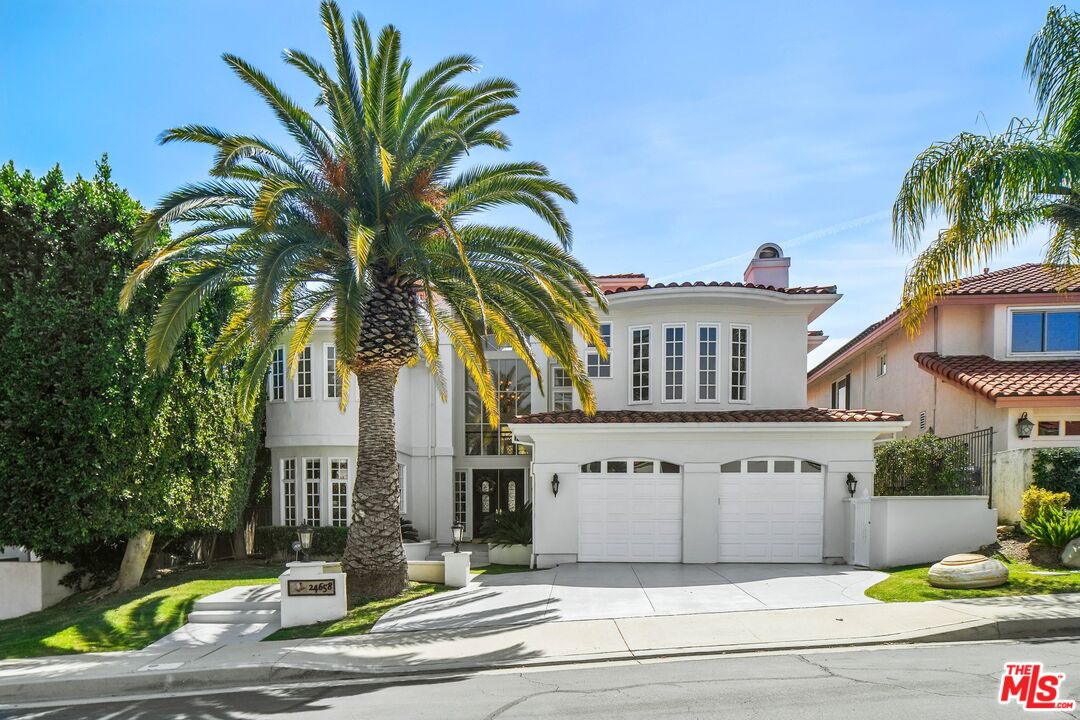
pixel 769 267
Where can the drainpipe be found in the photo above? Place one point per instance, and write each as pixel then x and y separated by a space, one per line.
pixel 433 494
pixel 532 491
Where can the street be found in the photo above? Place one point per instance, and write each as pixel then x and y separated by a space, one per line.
pixel 956 681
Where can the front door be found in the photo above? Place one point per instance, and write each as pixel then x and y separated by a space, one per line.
pixel 495 491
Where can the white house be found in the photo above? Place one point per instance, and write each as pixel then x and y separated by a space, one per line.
pixel 703 449
pixel 997 348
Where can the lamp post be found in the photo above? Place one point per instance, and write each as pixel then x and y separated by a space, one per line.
pixel 851 484
pixel 304 535
pixel 458 529
pixel 1024 427
pixel 555 484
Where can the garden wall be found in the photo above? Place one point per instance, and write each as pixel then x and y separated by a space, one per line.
pixel 911 530
pixel 27 587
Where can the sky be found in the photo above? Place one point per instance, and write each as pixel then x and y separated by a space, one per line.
pixel 692 132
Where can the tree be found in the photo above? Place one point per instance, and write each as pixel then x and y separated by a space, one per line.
pixel 993 190
pixel 94 449
pixel 372 216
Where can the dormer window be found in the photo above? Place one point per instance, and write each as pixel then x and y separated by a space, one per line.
pixel 1044 331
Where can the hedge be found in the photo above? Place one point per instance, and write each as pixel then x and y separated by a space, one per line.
pixel 273 541
pixel 1058 470
pixel 924 465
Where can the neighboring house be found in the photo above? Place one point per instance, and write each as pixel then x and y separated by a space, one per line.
pixel 703 449
pixel 996 348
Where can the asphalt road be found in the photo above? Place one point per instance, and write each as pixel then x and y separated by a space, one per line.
pixel 925 682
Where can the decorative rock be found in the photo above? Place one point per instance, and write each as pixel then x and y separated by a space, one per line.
pixel 1070 556
pixel 968 570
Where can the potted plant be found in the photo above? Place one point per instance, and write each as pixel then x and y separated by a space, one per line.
pixel 415 548
pixel 509 535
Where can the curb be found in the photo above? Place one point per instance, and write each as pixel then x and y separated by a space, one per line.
pixel 119 686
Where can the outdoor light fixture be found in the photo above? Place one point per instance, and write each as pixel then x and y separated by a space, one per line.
pixel 1024 427
pixel 851 483
pixel 458 530
pixel 555 484
pixel 305 534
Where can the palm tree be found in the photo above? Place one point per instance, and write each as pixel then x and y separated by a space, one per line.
pixel 372 218
pixel 994 190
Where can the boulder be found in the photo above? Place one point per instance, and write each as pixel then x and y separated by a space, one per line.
pixel 1070 556
pixel 968 571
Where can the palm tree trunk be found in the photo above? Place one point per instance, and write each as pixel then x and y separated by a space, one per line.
pixel 374 558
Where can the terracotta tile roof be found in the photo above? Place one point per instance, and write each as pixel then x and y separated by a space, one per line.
pixel 619 275
pixel 811 290
pixel 700 416
pixel 815 333
pixel 1006 378
pixel 1022 279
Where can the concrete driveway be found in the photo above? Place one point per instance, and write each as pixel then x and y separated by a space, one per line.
pixel 597 591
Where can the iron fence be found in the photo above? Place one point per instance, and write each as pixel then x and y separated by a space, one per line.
pixel 965 467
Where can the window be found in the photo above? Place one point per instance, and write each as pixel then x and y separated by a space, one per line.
pixel 784 466
pixel 403 487
pixel 592 467
pixel 668 468
pixel 708 352
pixel 841 399
pixel 674 371
pixel 1049 428
pixel 740 363
pixel 1045 331
pixel 616 466
pixel 639 364
pixel 513 395
pixel 643 466
pixel 882 364
pixel 810 467
pixel 288 482
pixel 597 366
pixel 757 466
pixel 333 381
pixel 303 374
pixel 459 496
pixel 562 390
pixel 277 375
pixel 313 491
pixel 1072 427
pixel 339 492
pixel 731 467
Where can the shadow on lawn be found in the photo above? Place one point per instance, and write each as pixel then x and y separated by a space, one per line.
pixel 133 624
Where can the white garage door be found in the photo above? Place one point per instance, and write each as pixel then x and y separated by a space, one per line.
pixel 771 510
pixel 630 511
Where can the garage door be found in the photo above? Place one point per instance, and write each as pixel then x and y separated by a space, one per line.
pixel 630 511
pixel 771 510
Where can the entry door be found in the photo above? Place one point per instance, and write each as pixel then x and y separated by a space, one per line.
pixel 494 491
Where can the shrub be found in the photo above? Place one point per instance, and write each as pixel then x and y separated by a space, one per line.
pixel 408 532
pixel 276 541
pixel 1058 470
pixel 1036 501
pixel 924 465
pixel 509 527
pixel 1055 526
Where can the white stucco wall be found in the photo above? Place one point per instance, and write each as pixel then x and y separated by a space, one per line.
pixel 913 530
pixel 27 587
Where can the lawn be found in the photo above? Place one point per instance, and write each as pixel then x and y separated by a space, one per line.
pixel 125 621
pixel 909 584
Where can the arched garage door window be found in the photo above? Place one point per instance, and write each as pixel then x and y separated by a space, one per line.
pixel 630 466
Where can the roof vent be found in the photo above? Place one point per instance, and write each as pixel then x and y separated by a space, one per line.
pixel 769 267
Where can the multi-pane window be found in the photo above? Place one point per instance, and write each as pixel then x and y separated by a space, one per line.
pixel 708 351
pixel 599 367
pixel 639 364
pixel 303 374
pixel 562 390
pixel 313 491
pixel 459 496
pixel 841 393
pixel 674 358
pixel 277 374
pixel 403 488
pixel 339 491
pixel 1049 331
pixel 288 483
pixel 513 396
pixel 333 380
pixel 740 363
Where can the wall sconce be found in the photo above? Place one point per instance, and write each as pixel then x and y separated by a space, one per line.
pixel 555 484
pixel 851 484
pixel 1024 427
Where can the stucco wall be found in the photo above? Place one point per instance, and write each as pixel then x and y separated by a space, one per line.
pixel 912 530
pixel 31 586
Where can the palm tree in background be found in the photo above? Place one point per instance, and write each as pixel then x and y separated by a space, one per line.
pixel 371 217
pixel 994 190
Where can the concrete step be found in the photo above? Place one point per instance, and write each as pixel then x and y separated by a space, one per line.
pixel 234 617
pixel 242 597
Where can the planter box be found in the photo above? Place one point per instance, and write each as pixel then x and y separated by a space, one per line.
pixel 510 555
pixel 417 550
pixel 431 571
pixel 31 586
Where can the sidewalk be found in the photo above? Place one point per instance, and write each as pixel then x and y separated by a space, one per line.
pixel 466 650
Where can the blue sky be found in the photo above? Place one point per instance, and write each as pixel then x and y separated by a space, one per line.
pixel 692 133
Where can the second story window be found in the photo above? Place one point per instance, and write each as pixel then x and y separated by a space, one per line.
pixel 597 366
pixel 640 345
pixel 513 394
pixel 277 375
pixel 740 364
pixel 333 380
pixel 562 390
pixel 708 351
pixel 841 394
pixel 674 370
pixel 1045 331
pixel 303 374
pixel 882 364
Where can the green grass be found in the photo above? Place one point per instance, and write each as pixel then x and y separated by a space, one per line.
pixel 361 618
pixel 124 621
pixel 910 584
pixel 500 569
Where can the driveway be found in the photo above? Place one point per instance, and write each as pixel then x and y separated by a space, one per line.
pixel 598 591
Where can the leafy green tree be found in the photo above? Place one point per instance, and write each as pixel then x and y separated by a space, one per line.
pixel 94 448
pixel 993 190
pixel 372 215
